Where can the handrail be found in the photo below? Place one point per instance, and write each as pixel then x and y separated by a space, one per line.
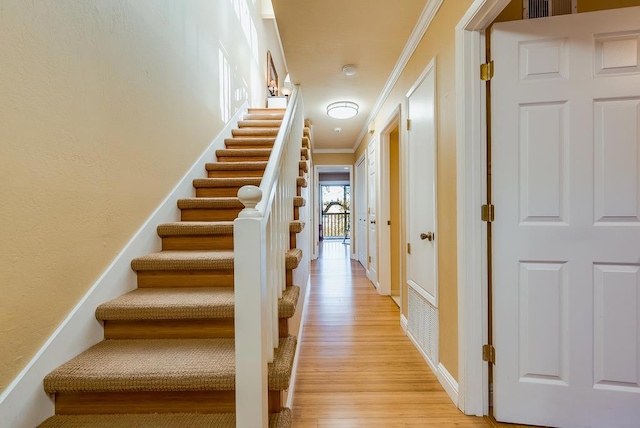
pixel 261 240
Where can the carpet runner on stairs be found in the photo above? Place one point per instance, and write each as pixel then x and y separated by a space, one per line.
pixel 168 358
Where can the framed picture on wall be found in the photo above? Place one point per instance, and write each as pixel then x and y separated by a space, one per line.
pixel 272 77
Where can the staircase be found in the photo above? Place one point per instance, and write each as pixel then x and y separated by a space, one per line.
pixel 168 354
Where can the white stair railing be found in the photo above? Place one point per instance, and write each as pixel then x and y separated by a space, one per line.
pixel 261 240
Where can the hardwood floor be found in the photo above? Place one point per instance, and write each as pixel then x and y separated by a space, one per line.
pixel 357 368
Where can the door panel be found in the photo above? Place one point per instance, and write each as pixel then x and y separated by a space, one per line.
pixel 566 187
pixel 372 266
pixel 421 213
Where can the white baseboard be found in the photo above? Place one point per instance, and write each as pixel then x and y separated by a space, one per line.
pixel 404 322
pixel 448 383
pixel 294 370
pixel 24 404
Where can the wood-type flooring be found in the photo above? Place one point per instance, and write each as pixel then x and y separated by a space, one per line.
pixel 357 368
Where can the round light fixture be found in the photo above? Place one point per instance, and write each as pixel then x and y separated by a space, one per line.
pixel 349 70
pixel 342 110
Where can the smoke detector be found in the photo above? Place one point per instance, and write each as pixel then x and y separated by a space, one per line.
pixel 349 70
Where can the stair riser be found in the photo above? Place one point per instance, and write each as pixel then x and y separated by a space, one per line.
pixel 253 132
pixel 265 123
pixel 102 403
pixel 204 278
pixel 218 214
pixel 249 145
pixel 213 192
pixel 186 243
pixel 293 240
pixel 235 174
pixel 169 329
pixel 243 158
pixel 177 329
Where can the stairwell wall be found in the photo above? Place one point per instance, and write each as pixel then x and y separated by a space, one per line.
pixel 104 106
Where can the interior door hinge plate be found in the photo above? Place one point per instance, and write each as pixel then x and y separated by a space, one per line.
pixel 409 248
pixel 488 213
pixel 489 354
pixel 408 124
pixel 486 71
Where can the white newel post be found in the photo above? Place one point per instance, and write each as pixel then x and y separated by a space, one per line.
pixel 251 296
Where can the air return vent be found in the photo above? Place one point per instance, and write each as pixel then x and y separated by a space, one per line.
pixel 423 325
pixel 544 8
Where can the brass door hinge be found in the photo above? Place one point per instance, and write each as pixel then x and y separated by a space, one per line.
pixel 489 354
pixel 408 124
pixel 369 259
pixel 488 212
pixel 486 71
pixel 409 248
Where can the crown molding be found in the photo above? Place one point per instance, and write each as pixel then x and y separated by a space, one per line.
pixel 428 13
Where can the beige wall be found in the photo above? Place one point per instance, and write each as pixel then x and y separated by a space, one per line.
pixel 104 106
pixel 333 159
pixel 439 42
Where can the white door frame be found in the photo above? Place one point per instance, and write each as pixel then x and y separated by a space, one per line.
pixel 384 214
pixel 355 191
pixel 473 382
pixel 334 168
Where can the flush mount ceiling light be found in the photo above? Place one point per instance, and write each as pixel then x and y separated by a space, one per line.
pixel 349 70
pixel 342 110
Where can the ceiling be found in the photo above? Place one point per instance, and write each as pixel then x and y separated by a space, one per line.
pixel 319 37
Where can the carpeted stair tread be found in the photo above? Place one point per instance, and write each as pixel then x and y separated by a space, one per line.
pixel 306 142
pixel 236 166
pixel 184 303
pixel 198 260
pixel 184 260
pixel 296 226
pixel 226 182
pixel 304 153
pixel 240 142
pixel 306 131
pixel 259 123
pixel 293 258
pixel 304 166
pixel 301 182
pixel 243 132
pixel 209 203
pixel 195 228
pixel 265 110
pixel 162 365
pixel 163 420
pixel 298 201
pixel 243 152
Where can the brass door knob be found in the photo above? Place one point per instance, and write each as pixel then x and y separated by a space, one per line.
pixel 429 236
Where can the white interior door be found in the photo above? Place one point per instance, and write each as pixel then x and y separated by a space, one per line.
pixel 372 266
pixel 421 213
pixel 566 186
pixel 361 211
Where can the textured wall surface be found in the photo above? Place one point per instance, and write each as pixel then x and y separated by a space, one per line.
pixel 104 104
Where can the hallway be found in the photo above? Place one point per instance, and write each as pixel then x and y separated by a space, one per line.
pixel 357 368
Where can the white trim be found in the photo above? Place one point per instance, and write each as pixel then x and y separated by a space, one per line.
pixel 470 143
pixel 355 191
pixel 329 151
pixel 384 213
pixel 24 402
pixel 404 323
pixel 448 383
pixel 428 13
pixel 422 292
pixel 294 370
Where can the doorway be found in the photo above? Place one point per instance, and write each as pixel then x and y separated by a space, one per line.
pixel 333 210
